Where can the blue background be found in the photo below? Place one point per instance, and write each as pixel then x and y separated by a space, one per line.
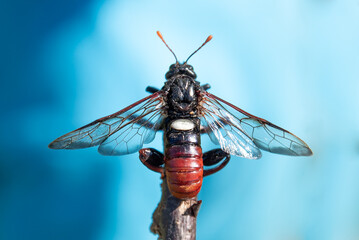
pixel 66 63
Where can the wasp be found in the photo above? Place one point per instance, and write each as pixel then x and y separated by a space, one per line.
pixel 183 109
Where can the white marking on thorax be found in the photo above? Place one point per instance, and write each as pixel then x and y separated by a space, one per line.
pixel 182 125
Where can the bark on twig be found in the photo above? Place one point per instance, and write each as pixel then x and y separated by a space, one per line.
pixel 175 219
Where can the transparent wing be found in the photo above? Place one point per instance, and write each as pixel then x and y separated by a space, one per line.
pixel 230 119
pixel 120 133
pixel 225 130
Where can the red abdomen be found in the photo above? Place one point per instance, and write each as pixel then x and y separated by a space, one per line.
pixel 184 170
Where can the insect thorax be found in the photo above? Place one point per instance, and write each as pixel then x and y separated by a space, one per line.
pixel 182 99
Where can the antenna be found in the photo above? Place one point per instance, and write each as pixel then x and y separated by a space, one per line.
pixel 160 36
pixel 209 38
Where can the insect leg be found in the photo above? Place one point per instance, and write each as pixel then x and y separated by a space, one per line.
pixel 151 89
pixel 205 129
pixel 213 157
pixel 206 86
pixel 152 159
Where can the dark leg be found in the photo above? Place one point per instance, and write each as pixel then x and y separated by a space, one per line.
pixel 213 157
pixel 205 129
pixel 151 89
pixel 206 86
pixel 152 159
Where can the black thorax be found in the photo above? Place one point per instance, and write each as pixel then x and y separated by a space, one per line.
pixel 181 91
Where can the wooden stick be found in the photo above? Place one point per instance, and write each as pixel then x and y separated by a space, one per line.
pixel 175 219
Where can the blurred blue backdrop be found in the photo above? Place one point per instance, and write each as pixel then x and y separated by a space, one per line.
pixel 66 63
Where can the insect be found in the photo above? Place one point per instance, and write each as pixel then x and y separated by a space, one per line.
pixel 183 110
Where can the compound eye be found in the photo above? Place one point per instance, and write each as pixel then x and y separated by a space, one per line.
pixel 190 72
pixel 169 74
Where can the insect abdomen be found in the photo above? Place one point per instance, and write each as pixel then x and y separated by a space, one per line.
pixel 184 170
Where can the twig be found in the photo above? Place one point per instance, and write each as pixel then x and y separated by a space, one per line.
pixel 175 219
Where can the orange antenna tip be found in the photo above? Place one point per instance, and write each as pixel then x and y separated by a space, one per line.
pixel 209 38
pixel 159 34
